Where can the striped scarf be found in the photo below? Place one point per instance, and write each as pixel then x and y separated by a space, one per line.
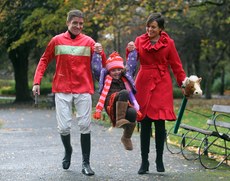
pixel 127 86
pixel 101 102
pixel 107 84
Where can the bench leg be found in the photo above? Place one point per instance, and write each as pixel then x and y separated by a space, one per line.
pixel 208 149
pixel 173 141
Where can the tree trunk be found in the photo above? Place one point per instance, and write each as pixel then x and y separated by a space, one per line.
pixel 208 84
pixel 19 59
pixel 119 40
pixel 222 81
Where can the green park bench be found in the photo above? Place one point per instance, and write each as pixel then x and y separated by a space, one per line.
pixel 211 146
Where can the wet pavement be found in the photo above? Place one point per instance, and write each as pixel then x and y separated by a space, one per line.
pixel 31 150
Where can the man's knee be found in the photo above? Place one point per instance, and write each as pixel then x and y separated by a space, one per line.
pixel 85 129
pixel 63 130
pixel 84 125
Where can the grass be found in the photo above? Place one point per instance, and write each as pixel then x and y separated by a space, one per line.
pixel 7 87
pixel 1 122
pixel 196 114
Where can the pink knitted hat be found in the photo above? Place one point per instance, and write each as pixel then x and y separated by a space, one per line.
pixel 114 61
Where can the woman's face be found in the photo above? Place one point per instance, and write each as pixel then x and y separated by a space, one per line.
pixel 153 30
pixel 115 73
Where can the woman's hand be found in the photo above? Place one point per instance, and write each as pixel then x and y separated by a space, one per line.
pixel 184 93
pixel 131 46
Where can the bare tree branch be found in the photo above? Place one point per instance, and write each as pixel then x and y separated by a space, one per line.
pixel 193 4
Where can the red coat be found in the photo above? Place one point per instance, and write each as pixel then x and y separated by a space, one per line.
pixel 73 63
pixel 153 81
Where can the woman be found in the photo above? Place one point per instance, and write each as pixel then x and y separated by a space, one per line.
pixel 156 52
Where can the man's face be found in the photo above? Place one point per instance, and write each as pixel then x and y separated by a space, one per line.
pixel 75 26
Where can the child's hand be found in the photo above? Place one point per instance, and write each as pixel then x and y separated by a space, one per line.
pixel 139 114
pixel 97 115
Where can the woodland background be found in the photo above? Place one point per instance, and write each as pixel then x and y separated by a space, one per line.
pixel 200 28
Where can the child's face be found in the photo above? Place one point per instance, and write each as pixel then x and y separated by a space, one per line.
pixel 115 73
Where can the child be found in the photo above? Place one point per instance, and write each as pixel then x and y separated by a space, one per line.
pixel 117 96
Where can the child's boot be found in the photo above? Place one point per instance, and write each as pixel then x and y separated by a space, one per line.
pixel 121 108
pixel 126 138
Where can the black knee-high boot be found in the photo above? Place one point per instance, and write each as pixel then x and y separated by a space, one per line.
pixel 85 147
pixel 159 140
pixel 145 143
pixel 68 151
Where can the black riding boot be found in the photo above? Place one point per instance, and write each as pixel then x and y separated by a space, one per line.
pixel 68 151
pixel 85 147
pixel 145 143
pixel 159 140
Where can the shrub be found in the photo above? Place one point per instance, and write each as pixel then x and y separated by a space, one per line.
pixel 7 87
pixel 217 83
pixel 177 93
pixel 7 91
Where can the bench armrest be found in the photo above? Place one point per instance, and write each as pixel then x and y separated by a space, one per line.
pixel 221 125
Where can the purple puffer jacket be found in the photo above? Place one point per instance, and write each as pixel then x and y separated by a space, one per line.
pixel 100 73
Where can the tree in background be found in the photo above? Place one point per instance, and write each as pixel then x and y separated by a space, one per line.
pixel 189 22
pixel 214 22
pixel 25 25
pixel 12 13
pixel 115 21
pixel 200 29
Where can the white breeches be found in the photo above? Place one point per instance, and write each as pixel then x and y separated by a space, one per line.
pixel 83 106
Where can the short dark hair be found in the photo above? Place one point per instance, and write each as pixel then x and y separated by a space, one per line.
pixel 156 17
pixel 74 13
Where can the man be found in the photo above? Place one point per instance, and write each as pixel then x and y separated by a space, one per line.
pixel 72 83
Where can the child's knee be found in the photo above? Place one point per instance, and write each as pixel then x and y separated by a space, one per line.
pixel 131 114
pixel 123 95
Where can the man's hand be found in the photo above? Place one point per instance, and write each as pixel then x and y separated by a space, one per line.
pixel 98 48
pixel 36 89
